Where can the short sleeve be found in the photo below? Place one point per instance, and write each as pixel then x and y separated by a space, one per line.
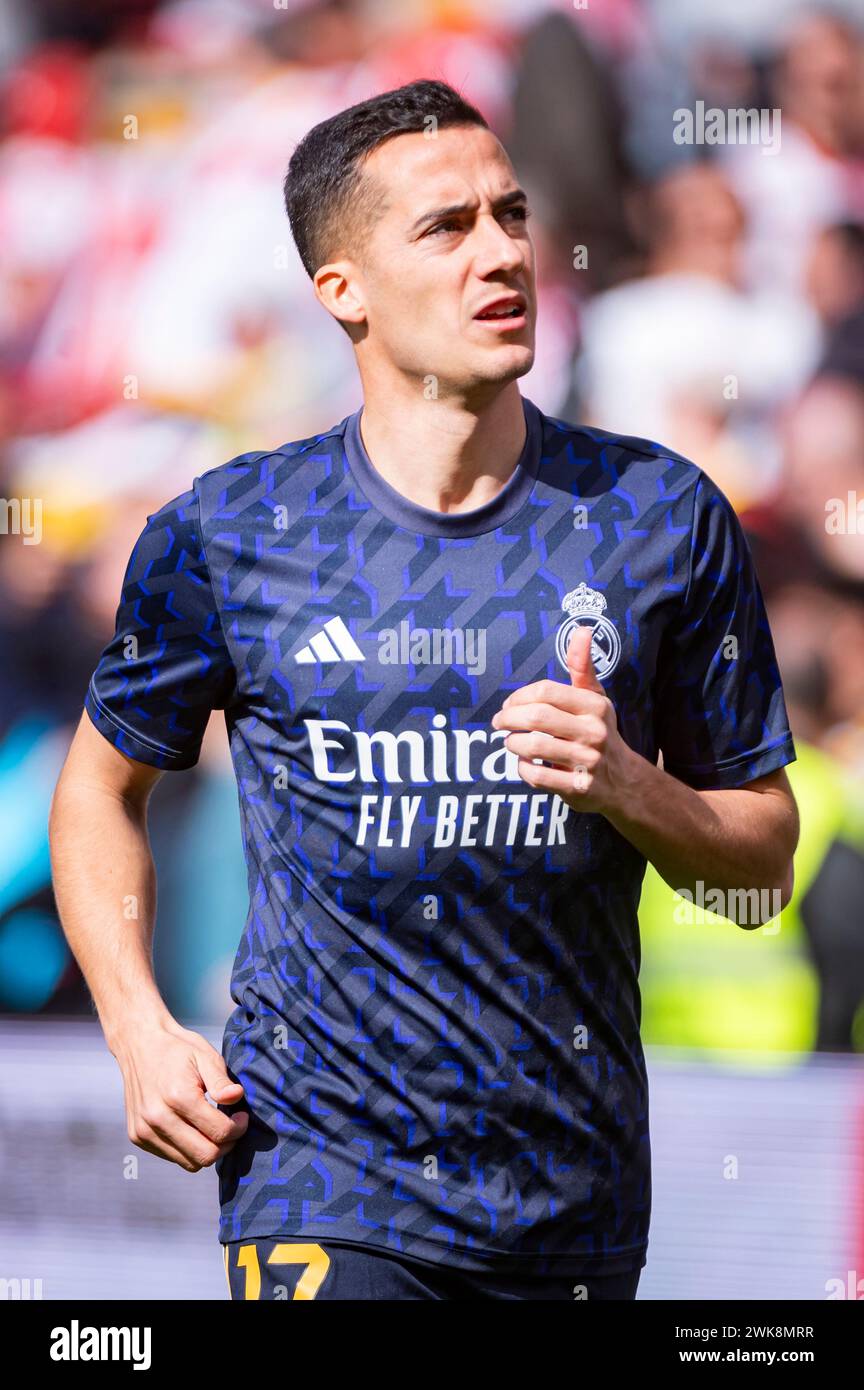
pixel 719 709
pixel 167 665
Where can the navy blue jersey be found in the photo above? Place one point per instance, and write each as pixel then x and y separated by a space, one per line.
pixel 437 1007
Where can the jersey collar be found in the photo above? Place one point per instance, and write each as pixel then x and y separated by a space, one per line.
pixel 401 510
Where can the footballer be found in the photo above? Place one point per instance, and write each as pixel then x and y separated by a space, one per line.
pixel 478 666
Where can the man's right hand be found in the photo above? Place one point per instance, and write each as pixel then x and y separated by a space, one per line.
pixel 166 1071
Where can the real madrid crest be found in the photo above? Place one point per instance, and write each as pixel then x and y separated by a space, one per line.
pixel 585 607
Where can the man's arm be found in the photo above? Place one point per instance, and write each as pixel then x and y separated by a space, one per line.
pixel 105 886
pixel 736 839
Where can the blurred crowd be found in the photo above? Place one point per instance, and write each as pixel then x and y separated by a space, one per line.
pixel 155 320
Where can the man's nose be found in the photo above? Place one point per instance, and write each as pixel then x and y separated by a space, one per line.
pixel 497 248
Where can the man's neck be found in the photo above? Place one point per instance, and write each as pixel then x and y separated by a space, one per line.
pixel 444 455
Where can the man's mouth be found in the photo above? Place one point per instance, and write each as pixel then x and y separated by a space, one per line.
pixel 511 313
pixel 508 312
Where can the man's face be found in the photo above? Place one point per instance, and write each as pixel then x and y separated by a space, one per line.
pixel 427 273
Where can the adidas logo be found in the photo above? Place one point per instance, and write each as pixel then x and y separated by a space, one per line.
pixel 333 642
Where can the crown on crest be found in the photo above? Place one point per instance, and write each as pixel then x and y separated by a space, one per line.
pixel 583 600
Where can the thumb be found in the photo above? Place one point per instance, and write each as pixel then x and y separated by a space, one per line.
pixel 216 1080
pixel 579 663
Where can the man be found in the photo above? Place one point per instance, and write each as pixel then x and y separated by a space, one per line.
pixel 451 637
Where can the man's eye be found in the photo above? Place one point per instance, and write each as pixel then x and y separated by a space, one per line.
pixel 520 213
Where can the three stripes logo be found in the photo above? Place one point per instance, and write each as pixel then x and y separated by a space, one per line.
pixel 332 642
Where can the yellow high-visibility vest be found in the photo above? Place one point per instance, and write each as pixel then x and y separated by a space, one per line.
pixel 708 984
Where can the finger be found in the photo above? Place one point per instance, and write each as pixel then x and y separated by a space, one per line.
pixel 222 1087
pixel 587 725
pixel 160 1148
pixel 190 1104
pixel 564 753
pixel 549 779
pixel 577 759
pixel 145 1137
pixel 166 1126
pixel 569 698
pixel 163 1148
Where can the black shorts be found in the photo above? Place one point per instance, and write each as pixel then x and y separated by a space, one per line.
pixel 274 1268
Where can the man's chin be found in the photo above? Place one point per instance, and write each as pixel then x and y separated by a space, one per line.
pixel 506 364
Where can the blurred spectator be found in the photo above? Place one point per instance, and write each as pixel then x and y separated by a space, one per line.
pixel 566 143
pixel 835 283
pixel 827 424
pixel 835 272
pixel 683 355
pixel 817 178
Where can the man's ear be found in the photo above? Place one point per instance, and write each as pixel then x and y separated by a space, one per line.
pixel 336 288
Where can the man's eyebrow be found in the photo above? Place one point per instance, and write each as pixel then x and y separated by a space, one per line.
pixel 517 195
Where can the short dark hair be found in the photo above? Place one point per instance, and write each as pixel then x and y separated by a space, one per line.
pixel 330 200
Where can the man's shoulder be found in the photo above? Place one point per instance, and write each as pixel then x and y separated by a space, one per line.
pixel 238 482
pixel 643 466
pixel 261 464
pixel 593 440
